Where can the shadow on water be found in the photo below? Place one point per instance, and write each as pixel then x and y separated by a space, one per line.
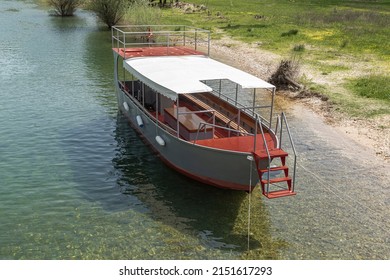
pixel 136 179
pixel 170 197
pixel 217 216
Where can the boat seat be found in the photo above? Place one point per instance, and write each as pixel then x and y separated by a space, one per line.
pixel 218 114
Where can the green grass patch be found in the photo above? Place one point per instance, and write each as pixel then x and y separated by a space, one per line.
pixel 377 87
pixel 368 97
pixel 350 102
pixel 328 67
pixel 304 80
pixel 347 26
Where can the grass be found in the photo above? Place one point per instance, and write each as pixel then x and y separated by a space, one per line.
pixel 376 87
pixel 329 35
pixel 141 13
pixel 328 67
pixel 366 97
pixel 281 24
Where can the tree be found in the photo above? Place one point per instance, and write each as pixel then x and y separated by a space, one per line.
pixel 64 7
pixel 110 11
pixel 142 13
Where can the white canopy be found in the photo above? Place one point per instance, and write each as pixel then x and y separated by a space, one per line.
pixel 173 75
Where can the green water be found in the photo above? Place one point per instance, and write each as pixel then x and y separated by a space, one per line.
pixel 77 183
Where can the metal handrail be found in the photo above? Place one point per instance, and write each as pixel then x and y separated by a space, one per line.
pixel 278 127
pixel 237 116
pixel 283 118
pixel 193 112
pixel 121 35
pixel 266 149
pixel 248 109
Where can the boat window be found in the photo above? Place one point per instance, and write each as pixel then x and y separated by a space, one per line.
pixel 149 98
pixel 165 102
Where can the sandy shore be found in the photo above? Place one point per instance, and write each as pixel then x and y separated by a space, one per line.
pixel 372 134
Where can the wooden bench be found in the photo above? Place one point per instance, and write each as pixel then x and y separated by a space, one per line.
pixel 189 124
pixel 218 114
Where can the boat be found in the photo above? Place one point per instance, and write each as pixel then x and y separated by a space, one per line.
pixel 207 120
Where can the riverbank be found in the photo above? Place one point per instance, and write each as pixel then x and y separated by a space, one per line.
pixel 373 134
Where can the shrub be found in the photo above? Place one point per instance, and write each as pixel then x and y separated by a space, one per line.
pixel 64 7
pixel 110 11
pixel 299 48
pixel 142 13
pixel 285 75
pixel 344 44
pixel 290 32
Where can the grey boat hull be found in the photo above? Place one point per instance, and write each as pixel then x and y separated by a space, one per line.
pixel 220 168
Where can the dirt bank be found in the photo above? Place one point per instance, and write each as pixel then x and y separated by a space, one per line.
pixel 374 134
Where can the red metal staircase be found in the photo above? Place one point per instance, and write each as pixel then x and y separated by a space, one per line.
pixel 267 181
pixel 269 175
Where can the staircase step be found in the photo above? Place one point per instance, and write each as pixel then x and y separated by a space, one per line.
pixel 276 168
pixel 276 180
pixel 280 193
pixel 273 153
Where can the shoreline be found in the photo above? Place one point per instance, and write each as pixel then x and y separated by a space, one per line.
pixel 369 133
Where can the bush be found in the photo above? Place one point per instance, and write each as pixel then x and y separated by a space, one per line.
pixel 64 7
pixel 142 13
pixel 285 75
pixel 110 11
pixel 290 33
pixel 299 48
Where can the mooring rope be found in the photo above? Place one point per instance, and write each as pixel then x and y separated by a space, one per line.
pixel 348 200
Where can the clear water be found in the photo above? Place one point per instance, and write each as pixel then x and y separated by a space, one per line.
pixel 342 210
pixel 77 183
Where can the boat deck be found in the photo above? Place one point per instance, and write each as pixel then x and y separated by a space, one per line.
pixel 156 51
pixel 239 143
pixel 220 139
